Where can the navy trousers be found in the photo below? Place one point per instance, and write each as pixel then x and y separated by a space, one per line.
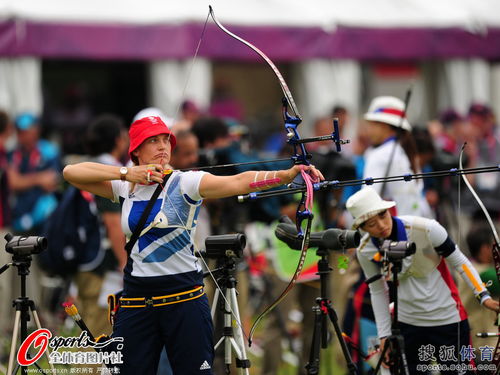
pixel 451 336
pixel 184 329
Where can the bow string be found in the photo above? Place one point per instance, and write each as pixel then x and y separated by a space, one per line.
pixel 495 250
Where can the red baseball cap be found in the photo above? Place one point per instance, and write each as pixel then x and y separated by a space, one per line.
pixel 146 127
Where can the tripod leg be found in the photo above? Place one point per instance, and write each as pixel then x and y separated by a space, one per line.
pixel 237 342
pixel 12 355
pixel 399 364
pixel 228 331
pixel 214 304
pixel 381 359
pixel 219 342
pixel 313 366
pixel 402 361
pixel 335 321
pixel 39 326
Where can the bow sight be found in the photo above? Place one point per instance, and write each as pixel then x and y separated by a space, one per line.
pixel 335 137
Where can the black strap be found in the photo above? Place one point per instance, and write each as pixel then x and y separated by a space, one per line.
pixel 140 225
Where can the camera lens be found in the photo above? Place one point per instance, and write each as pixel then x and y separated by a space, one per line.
pixel 351 238
pixel 41 245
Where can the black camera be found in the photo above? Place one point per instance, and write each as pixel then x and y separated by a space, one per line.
pixel 225 246
pixel 25 245
pixel 397 250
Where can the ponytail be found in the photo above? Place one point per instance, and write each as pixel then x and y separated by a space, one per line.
pixel 408 144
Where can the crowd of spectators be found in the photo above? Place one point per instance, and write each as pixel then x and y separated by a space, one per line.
pixel 31 185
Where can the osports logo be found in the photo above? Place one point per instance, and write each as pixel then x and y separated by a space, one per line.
pixel 40 340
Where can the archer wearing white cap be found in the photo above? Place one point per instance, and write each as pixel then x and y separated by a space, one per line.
pixel 393 153
pixel 429 308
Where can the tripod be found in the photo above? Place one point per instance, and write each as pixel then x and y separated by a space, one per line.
pixel 395 342
pixel 322 310
pixel 232 336
pixel 23 307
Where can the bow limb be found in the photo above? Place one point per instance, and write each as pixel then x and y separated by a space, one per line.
pixel 495 249
pixel 284 86
pixel 300 265
pixel 291 122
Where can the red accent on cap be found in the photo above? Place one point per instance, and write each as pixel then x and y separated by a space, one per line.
pixel 146 127
pixel 391 111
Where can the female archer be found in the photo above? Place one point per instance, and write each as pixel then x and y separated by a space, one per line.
pixel 431 315
pixel 163 302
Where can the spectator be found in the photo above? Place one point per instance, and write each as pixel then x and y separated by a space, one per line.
pixel 224 104
pixel 189 114
pixel 393 153
pixel 33 173
pixel 482 119
pixel 185 155
pixel 5 279
pixel 334 166
pixel 106 142
pixel 452 136
pixel 480 243
pixel 4 188
pixel 426 154
pixel 486 152
pixel 33 176
pixel 153 111
pixel 70 119
pixel 342 114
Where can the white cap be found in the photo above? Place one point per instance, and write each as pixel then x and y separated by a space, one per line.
pixel 389 110
pixel 156 112
pixel 366 204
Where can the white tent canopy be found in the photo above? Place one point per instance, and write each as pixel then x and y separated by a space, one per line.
pixel 319 13
pixel 289 30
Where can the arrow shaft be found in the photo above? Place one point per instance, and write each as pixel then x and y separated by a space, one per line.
pixel 369 181
pixel 220 166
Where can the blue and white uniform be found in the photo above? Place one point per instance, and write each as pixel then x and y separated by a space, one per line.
pixel 162 259
pixel 162 262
